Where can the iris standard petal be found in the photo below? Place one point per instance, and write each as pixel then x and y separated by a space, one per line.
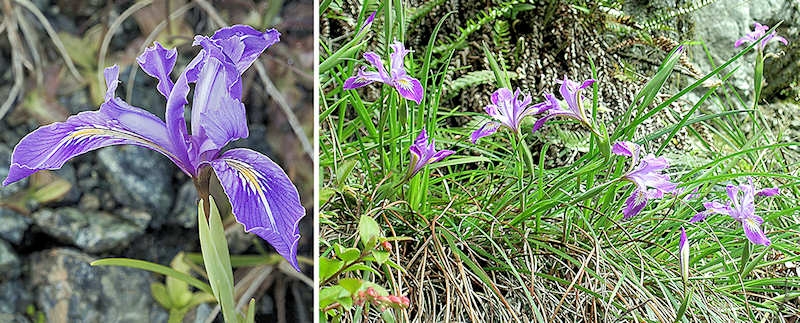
pixel 397 57
pixel 263 199
pixel 243 44
pixel 217 114
pixel 409 88
pixel 116 123
pixel 158 62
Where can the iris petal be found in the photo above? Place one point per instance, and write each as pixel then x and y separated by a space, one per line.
pixel 263 199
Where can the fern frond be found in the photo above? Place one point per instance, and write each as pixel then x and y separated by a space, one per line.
pixel 452 88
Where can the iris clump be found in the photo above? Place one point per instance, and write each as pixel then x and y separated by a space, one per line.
pixel 262 196
pixel 616 201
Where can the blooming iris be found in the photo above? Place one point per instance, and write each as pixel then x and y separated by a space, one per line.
pixel 570 91
pixel 424 153
pixel 263 198
pixel 646 174
pixel 759 31
pixel 407 86
pixel 508 109
pixel 742 209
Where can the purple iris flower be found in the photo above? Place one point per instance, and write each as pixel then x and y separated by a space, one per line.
pixel 408 87
pixel 741 208
pixel 646 174
pixel 759 31
pixel 424 153
pixel 571 92
pixel 508 109
pixel 263 198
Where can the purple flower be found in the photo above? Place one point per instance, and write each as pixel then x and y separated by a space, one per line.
pixel 742 209
pixel 646 174
pixel 424 153
pixel 508 109
pixel 263 198
pixel 754 35
pixel 683 251
pixel 407 86
pixel 367 23
pixel 570 91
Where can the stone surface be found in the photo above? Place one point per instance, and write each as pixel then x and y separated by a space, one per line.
pixel 13 225
pixel 138 178
pixel 13 318
pixel 722 23
pixel 15 296
pixel 161 245
pixel 91 231
pixel 68 289
pixel 9 262
pixel 184 212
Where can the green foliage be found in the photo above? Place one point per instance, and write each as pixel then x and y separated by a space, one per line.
pixel 537 242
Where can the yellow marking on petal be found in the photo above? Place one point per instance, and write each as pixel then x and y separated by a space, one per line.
pixel 251 177
pixel 404 84
pixel 116 133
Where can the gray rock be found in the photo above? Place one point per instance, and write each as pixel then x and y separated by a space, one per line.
pixel 15 297
pixel 13 318
pixel 67 172
pixel 722 23
pixel 138 178
pixel 5 163
pixel 184 212
pixel 91 231
pixel 89 202
pixel 9 261
pixel 13 225
pixel 68 289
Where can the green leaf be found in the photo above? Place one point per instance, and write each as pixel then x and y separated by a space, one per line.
pixel 251 311
pixel 328 267
pixel 350 255
pixel 380 256
pixel 216 258
pixel 352 285
pixel 159 292
pixel 177 289
pixel 156 268
pixel 333 294
pixel 369 231
pixel 343 171
pixel 361 267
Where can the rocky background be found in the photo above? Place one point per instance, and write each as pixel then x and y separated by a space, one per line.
pixel 541 41
pixel 128 201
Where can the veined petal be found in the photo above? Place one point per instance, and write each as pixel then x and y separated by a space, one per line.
pixel 700 216
pixel 486 130
pixel 626 148
pixel 263 199
pixel 634 204
pixel 768 192
pixel 442 154
pixel 174 117
pixel 753 232
pixel 362 78
pixel 243 44
pixel 217 113
pixel 409 88
pixel 376 62
pixel 397 57
pixel 158 62
pixel 116 123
